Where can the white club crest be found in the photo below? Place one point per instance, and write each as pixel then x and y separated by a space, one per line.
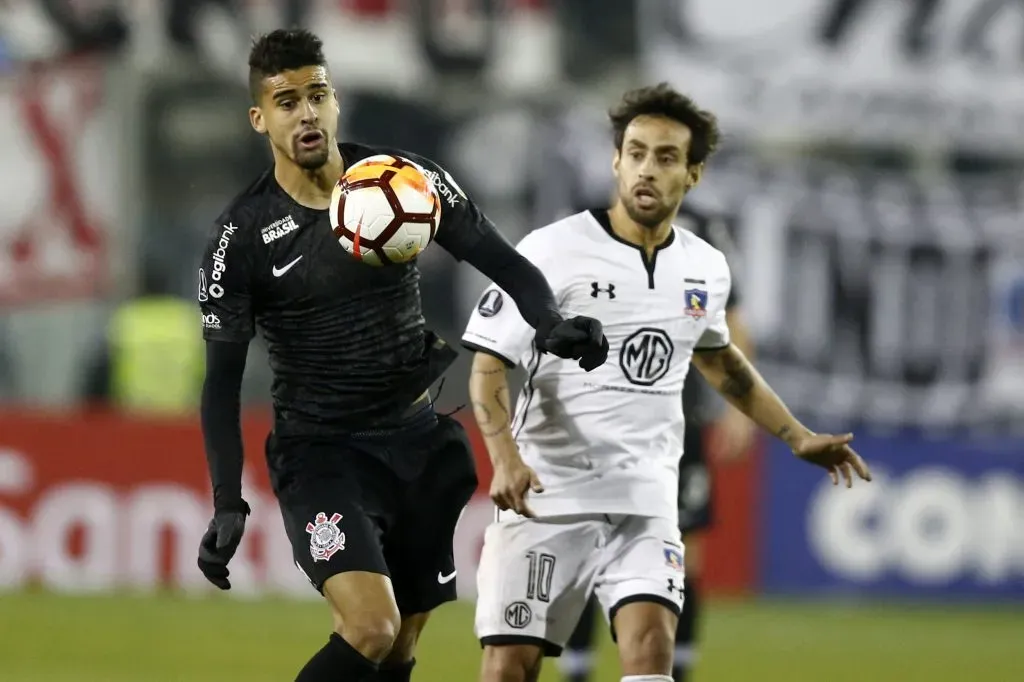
pixel 325 538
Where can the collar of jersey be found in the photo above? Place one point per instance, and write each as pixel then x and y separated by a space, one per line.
pixel 602 219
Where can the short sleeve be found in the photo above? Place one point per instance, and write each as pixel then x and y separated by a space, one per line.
pixel 462 224
pixel 716 335
pixel 496 326
pixel 225 284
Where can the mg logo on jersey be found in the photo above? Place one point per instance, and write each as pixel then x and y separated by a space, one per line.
pixel 646 356
pixel 518 615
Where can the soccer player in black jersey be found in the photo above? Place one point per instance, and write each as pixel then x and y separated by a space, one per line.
pixel 370 480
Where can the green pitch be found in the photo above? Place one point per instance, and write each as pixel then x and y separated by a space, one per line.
pixel 46 638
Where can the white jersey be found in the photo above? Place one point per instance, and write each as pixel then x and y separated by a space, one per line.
pixel 609 441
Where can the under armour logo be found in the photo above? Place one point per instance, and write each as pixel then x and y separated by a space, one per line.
pixel 673 588
pixel 596 289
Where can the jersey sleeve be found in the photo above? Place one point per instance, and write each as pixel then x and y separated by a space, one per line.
pixel 496 326
pixel 462 224
pixel 716 334
pixel 225 283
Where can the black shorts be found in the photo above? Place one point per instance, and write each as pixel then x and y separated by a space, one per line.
pixel 695 508
pixel 385 503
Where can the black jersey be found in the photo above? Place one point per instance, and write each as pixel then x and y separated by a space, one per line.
pixel 713 229
pixel 347 342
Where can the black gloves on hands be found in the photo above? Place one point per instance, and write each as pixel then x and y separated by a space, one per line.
pixel 221 540
pixel 578 338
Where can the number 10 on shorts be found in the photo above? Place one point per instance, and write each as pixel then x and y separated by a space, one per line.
pixel 542 570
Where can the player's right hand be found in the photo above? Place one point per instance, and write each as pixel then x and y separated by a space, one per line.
pixel 512 481
pixel 578 338
pixel 220 542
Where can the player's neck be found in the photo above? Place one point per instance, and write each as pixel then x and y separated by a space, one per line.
pixel 310 188
pixel 626 228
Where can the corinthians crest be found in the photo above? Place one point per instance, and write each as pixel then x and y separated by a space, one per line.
pixel 325 538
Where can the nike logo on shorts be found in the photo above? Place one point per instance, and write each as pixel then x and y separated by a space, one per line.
pixel 444 579
pixel 280 271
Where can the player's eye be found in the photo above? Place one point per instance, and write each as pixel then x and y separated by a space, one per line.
pixel 636 155
pixel 667 159
pixel 319 97
pixel 286 104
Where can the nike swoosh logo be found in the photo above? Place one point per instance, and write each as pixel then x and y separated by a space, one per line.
pixel 280 271
pixel 443 579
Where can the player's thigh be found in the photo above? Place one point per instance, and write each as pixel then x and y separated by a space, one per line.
pixel 418 549
pixel 534 580
pixel 511 663
pixel 642 564
pixel 332 513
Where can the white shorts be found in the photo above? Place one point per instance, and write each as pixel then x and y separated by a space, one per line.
pixel 536 575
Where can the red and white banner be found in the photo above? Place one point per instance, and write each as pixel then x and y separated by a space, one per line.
pixel 98 502
pixel 61 180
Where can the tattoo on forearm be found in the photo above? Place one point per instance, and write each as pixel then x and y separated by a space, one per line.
pixel 483 413
pixel 501 397
pixel 739 380
pixel 489 372
pixel 493 421
pixel 784 431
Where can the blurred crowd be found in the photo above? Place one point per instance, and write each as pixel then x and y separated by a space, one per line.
pixel 884 260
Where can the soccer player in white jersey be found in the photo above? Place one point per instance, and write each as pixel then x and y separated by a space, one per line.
pixel 586 471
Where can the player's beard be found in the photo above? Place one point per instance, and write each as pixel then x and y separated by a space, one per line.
pixel 649 218
pixel 312 159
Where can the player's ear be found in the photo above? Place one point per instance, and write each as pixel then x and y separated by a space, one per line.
pixel 616 158
pixel 694 174
pixel 256 120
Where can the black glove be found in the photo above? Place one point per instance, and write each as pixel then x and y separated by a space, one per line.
pixel 578 338
pixel 221 540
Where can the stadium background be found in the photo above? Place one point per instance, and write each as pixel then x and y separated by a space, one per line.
pixel 872 173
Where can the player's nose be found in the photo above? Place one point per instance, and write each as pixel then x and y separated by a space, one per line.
pixel 309 113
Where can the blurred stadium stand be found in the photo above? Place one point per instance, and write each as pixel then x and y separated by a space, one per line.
pixel 872 170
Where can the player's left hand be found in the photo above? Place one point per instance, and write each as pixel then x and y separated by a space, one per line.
pixel 834 454
pixel 578 338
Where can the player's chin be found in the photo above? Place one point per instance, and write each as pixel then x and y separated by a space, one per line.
pixel 647 216
pixel 311 159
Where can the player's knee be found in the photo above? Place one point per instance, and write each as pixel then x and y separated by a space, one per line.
pixel 371 634
pixel 647 649
pixel 511 663
pixel 404 647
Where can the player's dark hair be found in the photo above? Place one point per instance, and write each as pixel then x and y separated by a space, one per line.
pixel 282 50
pixel 662 100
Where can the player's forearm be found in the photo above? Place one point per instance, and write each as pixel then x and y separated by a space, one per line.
pixel 519 278
pixel 729 371
pixel 740 334
pixel 220 411
pixel 488 391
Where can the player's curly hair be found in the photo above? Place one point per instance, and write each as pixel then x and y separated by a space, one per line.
pixel 282 50
pixel 663 100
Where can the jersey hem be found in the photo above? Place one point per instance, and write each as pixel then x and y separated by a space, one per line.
pixel 707 349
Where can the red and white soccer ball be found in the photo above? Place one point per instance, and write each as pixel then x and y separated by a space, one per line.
pixel 384 210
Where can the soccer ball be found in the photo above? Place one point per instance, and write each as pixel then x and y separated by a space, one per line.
pixel 384 210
